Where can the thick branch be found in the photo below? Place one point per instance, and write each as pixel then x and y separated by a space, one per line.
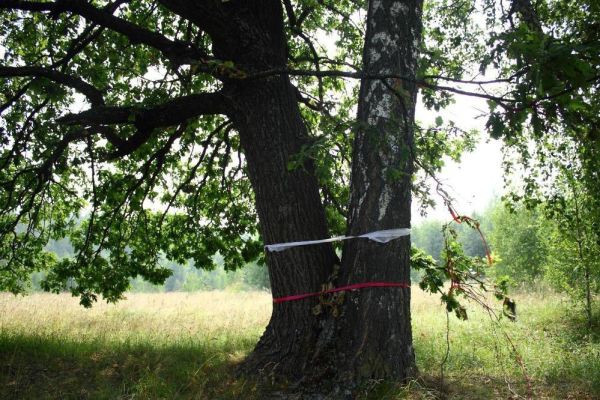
pixel 94 95
pixel 171 113
pixel 208 15
pixel 527 13
pixel 289 10
pixel 87 36
pixel 177 51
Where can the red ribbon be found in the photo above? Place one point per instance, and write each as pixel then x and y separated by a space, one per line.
pixel 458 219
pixel 354 286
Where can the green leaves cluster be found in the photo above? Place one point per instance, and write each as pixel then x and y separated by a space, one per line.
pixel 182 194
pixel 458 277
pixel 520 238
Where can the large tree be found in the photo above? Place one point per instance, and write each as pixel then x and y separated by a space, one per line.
pixel 171 90
pixel 141 129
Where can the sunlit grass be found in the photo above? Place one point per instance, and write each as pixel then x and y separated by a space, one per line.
pixel 148 346
pixel 558 361
pixel 185 345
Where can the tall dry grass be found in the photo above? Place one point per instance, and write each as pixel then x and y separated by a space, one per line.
pixel 164 317
pixel 184 345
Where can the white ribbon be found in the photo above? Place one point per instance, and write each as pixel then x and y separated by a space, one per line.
pixel 383 236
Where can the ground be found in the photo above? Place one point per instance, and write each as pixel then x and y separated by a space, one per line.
pixel 186 345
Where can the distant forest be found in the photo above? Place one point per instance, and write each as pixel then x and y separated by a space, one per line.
pixel 527 246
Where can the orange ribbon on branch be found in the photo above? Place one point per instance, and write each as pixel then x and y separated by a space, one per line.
pixel 459 219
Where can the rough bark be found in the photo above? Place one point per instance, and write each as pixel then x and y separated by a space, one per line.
pixel 290 209
pixel 374 336
pixel 371 339
pixel 266 114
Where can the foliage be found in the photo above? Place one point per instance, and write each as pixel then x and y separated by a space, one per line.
pixel 127 188
pixel 92 190
pixel 568 272
pixel 427 236
pixel 575 249
pixel 520 238
pixel 466 275
pixel 554 47
pixel 553 244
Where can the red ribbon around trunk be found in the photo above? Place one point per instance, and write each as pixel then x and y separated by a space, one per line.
pixel 354 286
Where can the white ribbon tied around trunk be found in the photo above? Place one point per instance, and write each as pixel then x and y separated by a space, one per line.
pixel 383 236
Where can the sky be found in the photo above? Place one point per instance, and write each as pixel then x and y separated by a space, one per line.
pixel 477 179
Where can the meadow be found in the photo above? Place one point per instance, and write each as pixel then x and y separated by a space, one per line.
pixel 186 346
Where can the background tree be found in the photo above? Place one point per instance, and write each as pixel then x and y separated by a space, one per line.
pixel 520 238
pixel 573 210
pixel 428 237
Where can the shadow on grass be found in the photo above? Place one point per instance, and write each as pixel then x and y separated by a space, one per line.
pixel 569 322
pixel 46 367
pixel 34 367
pixel 580 330
pixel 428 387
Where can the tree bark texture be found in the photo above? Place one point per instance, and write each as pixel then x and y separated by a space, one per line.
pixel 290 209
pixel 265 112
pixel 374 332
pixel 371 337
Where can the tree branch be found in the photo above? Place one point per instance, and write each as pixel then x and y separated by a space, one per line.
pixel 289 10
pixel 177 51
pixel 208 15
pixel 193 170
pixel 170 113
pixel 10 101
pixel 87 36
pixel 315 59
pixel 94 95
pixel 527 13
pixel 503 101
pixel 508 103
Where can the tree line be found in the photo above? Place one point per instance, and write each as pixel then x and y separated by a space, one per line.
pixel 184 277
pixel 531 248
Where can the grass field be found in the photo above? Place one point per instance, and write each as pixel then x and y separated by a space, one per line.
pixel 184 345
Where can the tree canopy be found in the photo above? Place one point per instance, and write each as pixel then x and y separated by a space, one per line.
pixel 116 134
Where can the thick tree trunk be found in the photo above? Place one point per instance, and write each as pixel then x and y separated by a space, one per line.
pixel 290 209
pixel 266 115
pixel 374 336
